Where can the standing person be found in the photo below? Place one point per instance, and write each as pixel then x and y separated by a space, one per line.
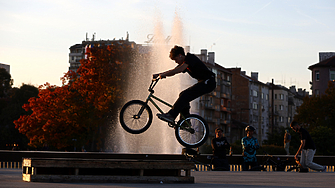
pixel 307 148
pixel 196 69
pixel 287 140
pixel 249 147
pixel 219 146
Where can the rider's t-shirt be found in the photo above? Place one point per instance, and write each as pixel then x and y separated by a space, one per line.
pixel 304 135
pixel 196 68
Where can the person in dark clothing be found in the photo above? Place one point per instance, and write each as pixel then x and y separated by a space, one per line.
pixel 196 69
pixel 307 148
pixel 219 146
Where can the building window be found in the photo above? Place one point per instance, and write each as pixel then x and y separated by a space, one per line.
pixel 275 96
pixel 254 93
pixel 255 119
pixel 281 107
pixel 254 105
pixel 281 119
pixel 267 97
pixel 332 75
pixel 317 92
pixel 262 95
pixel 281 96
pixel 317 75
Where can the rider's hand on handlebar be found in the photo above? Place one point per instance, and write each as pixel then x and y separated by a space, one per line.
pixel 154 76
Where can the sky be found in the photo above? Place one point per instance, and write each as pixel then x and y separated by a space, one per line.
pixel 279 39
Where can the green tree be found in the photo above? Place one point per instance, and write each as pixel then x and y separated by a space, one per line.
pixel 17 97
pixel 318 115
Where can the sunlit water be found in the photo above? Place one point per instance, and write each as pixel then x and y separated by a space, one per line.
pixel 159 138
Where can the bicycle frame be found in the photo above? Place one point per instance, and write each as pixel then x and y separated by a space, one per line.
pixel 151 98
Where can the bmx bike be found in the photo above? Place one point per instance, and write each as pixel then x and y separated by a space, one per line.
pixel 136 117
pixel 276 163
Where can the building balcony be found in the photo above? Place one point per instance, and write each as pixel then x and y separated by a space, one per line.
pixel 225 82
pixel 75 54
pixel 224 122
pixel 208 119
pixel 209 106
pixel 225 95
pixel 226 109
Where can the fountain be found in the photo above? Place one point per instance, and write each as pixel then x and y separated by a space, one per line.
pixel 159 138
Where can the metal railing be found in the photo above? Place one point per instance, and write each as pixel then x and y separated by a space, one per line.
pixel 10 164
pixel 238 167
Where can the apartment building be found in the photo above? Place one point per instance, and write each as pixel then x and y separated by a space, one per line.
pixel 250 104
pixel 285 102
pixel 215 107
pixel 77 51
pixel 322 72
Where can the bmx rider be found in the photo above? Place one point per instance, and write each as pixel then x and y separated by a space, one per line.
pixel 196 69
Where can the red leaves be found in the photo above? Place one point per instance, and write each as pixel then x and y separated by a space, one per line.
pixel 75 110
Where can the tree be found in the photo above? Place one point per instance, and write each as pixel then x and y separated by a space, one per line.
pixel 318 115
pixel 75 112
pixel 13 110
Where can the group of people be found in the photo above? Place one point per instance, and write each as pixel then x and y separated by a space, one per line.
pixel 250 144
pixel 249 147
pixel 191 64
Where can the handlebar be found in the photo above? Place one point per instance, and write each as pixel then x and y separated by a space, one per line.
pixel 153 84
pixel 155 79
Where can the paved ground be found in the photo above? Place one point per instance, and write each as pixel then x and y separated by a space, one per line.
pixel 10 178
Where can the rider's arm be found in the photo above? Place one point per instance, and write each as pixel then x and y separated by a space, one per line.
pixel 302 145
pixel 174 71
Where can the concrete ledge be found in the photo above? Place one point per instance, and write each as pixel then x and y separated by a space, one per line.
pixel 106 170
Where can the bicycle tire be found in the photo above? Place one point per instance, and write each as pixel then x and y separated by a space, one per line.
pixel 196 139
pixel 129 119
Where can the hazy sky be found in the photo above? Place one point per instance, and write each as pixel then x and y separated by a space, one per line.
pixel 277 38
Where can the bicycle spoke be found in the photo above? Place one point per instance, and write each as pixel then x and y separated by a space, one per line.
pixel 198 132
pixel 133 119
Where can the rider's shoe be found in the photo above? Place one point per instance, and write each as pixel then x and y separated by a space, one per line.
pixel 166 117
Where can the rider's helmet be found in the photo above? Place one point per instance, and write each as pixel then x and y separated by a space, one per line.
pixel 249 128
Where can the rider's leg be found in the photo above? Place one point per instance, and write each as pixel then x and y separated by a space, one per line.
pixel 186 111
pixel 186 96
pixel 303 158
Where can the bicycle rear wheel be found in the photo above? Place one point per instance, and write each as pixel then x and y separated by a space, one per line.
pixel 135 117
pixel 193 136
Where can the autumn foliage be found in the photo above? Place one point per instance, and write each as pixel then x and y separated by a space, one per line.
pixel 75 111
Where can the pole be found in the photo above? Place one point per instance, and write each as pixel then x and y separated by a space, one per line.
pixel 272 105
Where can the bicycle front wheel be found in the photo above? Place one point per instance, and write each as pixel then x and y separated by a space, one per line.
pixel 135 117
pixel 193 131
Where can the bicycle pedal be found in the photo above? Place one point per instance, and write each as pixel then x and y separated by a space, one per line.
pixel 171 125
